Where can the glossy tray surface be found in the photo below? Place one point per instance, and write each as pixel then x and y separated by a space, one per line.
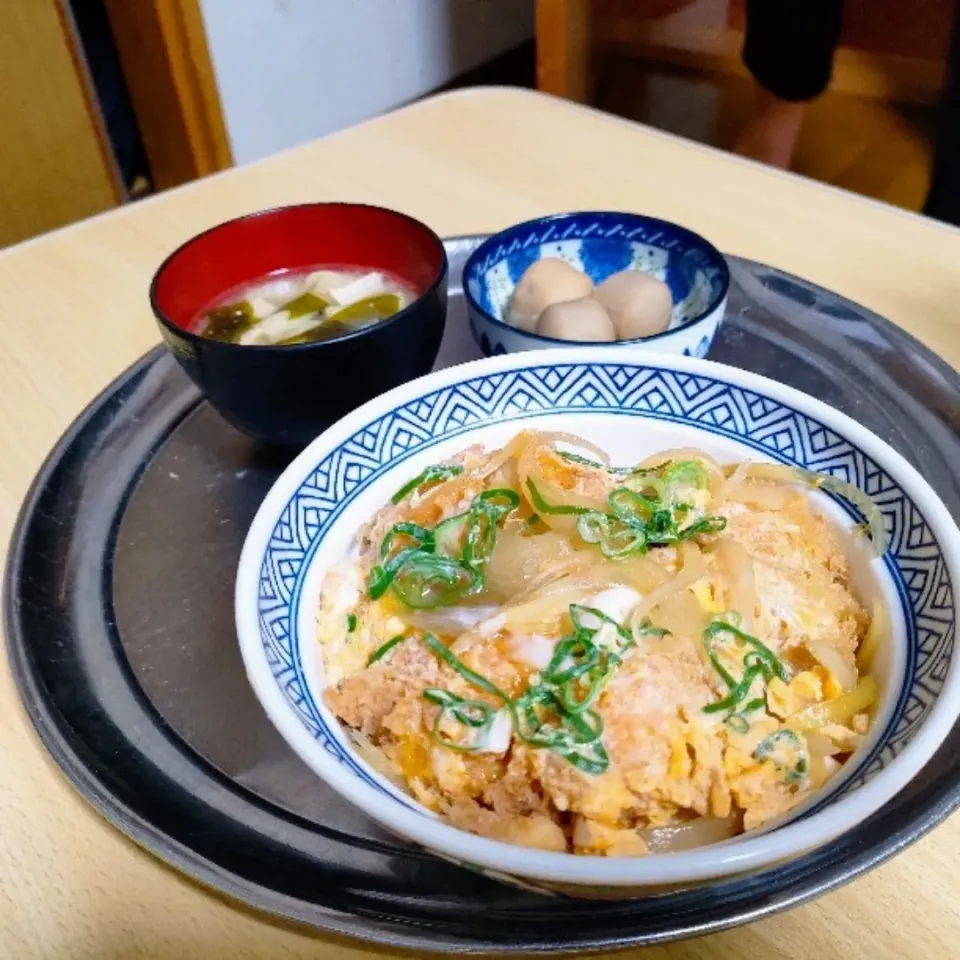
pixel 119 624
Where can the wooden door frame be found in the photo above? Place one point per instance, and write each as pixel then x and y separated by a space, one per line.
pixel 165 57
pixel 563 48
pixel 57 165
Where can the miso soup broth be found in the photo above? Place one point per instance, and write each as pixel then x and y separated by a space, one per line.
pixel 304 307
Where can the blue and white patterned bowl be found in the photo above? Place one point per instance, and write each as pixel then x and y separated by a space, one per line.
pixel 631 403
pixel 599 244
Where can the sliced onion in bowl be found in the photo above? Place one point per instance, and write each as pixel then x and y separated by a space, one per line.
pixel 738 566
pixel 689 836
pixel 844 673
pixel 692 570
pixel 825 481
pixel 574 441
pixel 877 632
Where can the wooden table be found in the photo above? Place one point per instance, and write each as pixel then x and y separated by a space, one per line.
pixel 76 313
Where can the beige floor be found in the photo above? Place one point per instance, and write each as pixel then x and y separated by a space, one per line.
pixel 870 146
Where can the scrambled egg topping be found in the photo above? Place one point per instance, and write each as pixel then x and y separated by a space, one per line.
pixel 671 760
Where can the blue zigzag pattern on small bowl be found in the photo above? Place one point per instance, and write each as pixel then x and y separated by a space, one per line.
pixel 700 277
pixel 914 558
pixel 586 227
pixel 701 349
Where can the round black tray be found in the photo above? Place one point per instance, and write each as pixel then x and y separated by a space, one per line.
pixel 119 624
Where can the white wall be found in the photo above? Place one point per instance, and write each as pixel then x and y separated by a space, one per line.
pixel 292 70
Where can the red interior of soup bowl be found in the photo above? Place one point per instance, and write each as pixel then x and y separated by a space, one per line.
pixel 290 239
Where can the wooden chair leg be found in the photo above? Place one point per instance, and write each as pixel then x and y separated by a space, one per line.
pixel 563 48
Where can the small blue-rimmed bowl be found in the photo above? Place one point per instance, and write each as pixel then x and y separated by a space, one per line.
pixel 631 404
pixel 599 243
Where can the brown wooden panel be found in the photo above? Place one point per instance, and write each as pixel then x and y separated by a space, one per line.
pixel 166 62
pixel 563 48
pixel 56 165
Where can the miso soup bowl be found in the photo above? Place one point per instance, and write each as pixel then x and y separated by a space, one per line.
pixel 286 395
pixel 632 404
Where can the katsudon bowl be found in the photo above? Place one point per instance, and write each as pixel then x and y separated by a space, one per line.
pixel 629 404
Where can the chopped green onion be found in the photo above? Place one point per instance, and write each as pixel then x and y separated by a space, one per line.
pixel 501 499
pixel 573 657
pixel 593 527
pixel 382 575
pixel 704 525
pixel 644 471
pixel 452 660
pixel 480 539
pixel 585 727
pixel 438 567
pixel 426 580
pixel 486 511
pixel 580 615
pixel 553 715
pixel 448 535
pixel 583 461
pixel 738 723
pixel 471 713
pixel 737 693
pixel 644 484
pixel 351 623
pixel 542 722
pixel 581 693
pixel 725 675
pixel 684 473
pixel 636 522
pixel 662 528
pixel 592 758
pixel 631 506
pixel 731 617
pixel 646 629
pixel 772 661
pixel 616 536
pixel 380 652
pixel 525 711
pixel 544 507
pixel 760 652
pixel 758 661
pixel 624 541
pixel 421 535
pixel 476 716
pixel 766 747
pixel 432 475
